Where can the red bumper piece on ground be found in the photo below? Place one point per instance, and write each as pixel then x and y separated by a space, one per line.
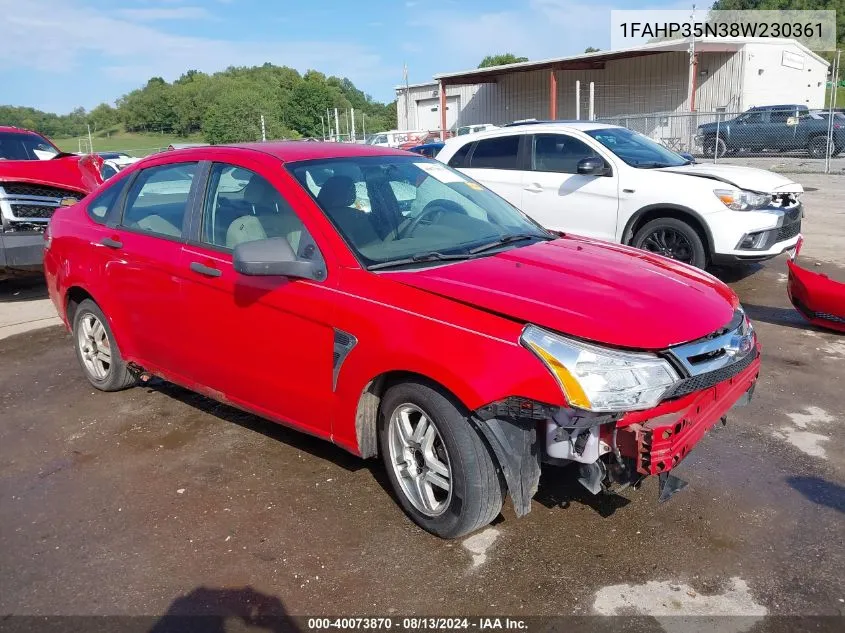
pixel 817 297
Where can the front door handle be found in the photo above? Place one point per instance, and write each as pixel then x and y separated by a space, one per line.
pixel 111 243
pixel 208 271
pixel 534 188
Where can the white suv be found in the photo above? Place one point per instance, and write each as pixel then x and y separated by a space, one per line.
pixel 607 182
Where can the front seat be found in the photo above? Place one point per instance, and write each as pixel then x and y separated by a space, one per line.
pixel 336 197
pixel 270 217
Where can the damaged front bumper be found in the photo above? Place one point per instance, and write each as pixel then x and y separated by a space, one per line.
pixel 612 451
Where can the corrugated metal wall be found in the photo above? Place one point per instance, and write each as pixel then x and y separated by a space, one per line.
pixel 647 84
pixel 427 91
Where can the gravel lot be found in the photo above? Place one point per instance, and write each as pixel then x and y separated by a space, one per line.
pixel 156 500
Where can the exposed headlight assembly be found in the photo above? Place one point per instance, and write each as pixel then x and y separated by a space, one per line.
pixel 742 200
pixel 601 379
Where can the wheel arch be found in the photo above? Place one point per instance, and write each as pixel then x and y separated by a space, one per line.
pixel 662 210
pixel 369 401
pixel 74 296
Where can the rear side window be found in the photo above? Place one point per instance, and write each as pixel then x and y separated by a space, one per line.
pixel 460 157
pixel 158 199
pixel 101 207
pixel 496 153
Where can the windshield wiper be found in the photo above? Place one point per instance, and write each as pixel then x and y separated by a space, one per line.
pixel 422 257
pixel 507 239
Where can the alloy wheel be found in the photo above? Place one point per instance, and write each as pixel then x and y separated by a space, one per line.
pixel 669 243
pixel 94 347
pixel 420 460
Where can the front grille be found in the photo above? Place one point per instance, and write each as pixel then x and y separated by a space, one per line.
pixel 25 189
pixel 788 231
pixel 32 211
pixel 710 379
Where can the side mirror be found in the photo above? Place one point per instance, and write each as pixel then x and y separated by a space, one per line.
pixel 273 257
pixel 687 156
pixel 592 167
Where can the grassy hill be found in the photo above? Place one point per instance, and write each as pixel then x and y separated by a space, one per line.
pixel 136 144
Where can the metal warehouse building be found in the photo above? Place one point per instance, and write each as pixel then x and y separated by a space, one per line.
pixel 661 79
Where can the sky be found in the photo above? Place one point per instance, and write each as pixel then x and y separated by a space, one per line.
pixel 56 55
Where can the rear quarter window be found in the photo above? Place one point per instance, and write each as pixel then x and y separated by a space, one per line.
pixel 459 158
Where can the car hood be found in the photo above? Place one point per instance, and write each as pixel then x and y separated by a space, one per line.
pixel 760 180
pixel 591 290
pixel 66 171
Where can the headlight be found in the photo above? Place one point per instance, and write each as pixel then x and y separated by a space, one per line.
pixel 742 200
pixel 600 379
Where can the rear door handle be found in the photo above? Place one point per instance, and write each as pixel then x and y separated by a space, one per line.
pixel 111 243
pixel 208 271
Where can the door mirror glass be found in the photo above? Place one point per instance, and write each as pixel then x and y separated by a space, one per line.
pixel 274 257
pixel 591 167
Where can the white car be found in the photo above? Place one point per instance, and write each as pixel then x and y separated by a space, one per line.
pixel 610 183
pixel 119 160
pixel 472 129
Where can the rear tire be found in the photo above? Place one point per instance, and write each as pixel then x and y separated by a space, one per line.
pixel 672 238
pixel 426 436
pixel 817 147
pixel 97 350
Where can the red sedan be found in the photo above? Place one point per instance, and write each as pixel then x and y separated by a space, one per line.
pixel 395 307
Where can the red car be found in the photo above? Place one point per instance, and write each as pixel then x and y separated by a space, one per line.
pixel 34 177
pixel 395 307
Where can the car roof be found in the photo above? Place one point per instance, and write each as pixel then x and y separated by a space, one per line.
pixel 18 130
pixel 290 151
pixel 532 128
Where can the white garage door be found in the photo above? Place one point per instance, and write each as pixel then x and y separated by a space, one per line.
pixel 428 113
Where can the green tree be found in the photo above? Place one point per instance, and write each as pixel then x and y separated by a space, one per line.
pixel 501 60
pixel 591 49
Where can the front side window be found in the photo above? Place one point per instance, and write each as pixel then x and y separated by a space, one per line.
pixel 560 153
pixel 158 199
pixel 752 117
pixel 395 208
pixel 242 206
pixel 496 153
pixel 635 149
pixel 25 146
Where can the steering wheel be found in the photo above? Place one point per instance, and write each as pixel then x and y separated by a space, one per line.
pixel 440 205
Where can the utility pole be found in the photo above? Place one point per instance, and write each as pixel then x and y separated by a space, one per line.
pixel 364 124
pixel 578 99
pixel 592 101
pixel 407 97
pixel 90 142
pixel 323 127
pixel 833 91
pixel 353 124
pixel 263 129
pixel 693 64
pixel 336 124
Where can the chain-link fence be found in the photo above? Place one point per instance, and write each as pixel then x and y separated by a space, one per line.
pixel 782 139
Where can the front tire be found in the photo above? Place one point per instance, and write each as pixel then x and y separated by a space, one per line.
pixel 442 471
pixel 97 350
pixel 715 147
pixel 672 238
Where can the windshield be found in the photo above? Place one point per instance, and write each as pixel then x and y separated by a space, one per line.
pixel 25 146
pixel 391 208
pixel 637 150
